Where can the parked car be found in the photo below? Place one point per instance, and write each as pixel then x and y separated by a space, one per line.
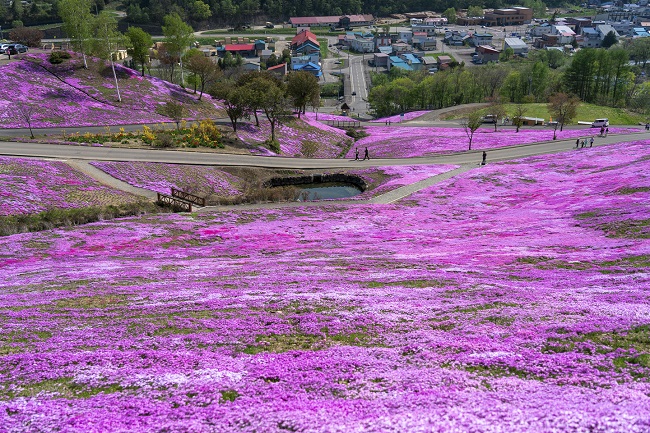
pixel 490 118
pixel 15 49
pixel 3 47
pixel 598 123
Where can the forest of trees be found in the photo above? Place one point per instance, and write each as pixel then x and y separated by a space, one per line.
pixel 233 12
pixel 600 76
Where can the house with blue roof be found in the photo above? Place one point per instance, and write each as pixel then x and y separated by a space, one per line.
pixel 398 62
pixel 312 68
pixel 412 61
pixel 640 32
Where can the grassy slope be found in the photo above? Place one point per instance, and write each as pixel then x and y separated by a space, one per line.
pixel 586 112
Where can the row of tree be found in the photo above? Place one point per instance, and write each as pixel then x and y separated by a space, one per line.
pixel 239 11
pixel 252 93
pixel 594 75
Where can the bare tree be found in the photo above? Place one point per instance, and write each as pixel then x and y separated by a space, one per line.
pixel 470 125
pixel 564 107
pixel 26 113
pixel 518 116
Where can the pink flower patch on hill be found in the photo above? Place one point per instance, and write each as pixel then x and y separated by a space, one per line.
pixel 30 186
pixel 68 95
pixel 408 142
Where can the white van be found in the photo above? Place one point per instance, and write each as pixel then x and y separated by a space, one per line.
pixel 599 123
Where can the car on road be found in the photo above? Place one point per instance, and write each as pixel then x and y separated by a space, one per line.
pixel 489 118
pixel 599 123
pixel 14 49
pixel 354 93
pixel 338 62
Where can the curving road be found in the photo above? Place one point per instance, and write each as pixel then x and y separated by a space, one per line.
pixel 43 150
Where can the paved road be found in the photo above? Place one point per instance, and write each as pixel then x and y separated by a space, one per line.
pixel 198 158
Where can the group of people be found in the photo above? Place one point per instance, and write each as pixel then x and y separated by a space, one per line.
pixel 366 155
pixel 603 131
pixel 583 142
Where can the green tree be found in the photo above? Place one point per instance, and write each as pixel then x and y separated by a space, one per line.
pixel 507 54
pixel 140 42
pixel 233 98
pixel 470 125
pixel 200 11
pixel 178 36
pixel 475 11
pixel 106 41
pixel 609 40
pixel 205 71
pixel 173 110
pixel 564 108
pixel 450 14
pixel 276 106
pixel 303 89
pixel 639 50
pixel 77 22
pixel 499 110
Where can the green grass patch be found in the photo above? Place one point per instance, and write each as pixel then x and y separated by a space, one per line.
pixel 63 387
pixel 586 113
pixel 92 302
pixel 414 284
pixel 632 190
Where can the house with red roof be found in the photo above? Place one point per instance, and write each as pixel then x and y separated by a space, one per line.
pixel 244 50
pixel 305 43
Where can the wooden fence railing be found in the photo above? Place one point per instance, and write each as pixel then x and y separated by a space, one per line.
pixel 344 123
pixel 186 196
pixel 176 204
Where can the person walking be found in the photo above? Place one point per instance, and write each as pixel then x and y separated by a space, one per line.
pixel 602 130
pixel 591 141
pixel 647 126
pixel 584 143
pixel 606 131
pixel 577 142
pixel 356 154
pixel 366 155
pixel 483 162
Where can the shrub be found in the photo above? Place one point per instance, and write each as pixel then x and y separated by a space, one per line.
pixel 164 140
pixel 26 36
pixel 357 134
pixel 57 57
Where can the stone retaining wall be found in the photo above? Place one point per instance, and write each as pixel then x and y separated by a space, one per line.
pixel 318 178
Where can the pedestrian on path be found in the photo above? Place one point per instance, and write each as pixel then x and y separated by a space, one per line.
pixel 602 130
pixel 356 154
pixel 577 142
pixel 647 126
pixel 584 143
pixel 483 162
pixel 591 141
pixel 366 155
pixel 606 131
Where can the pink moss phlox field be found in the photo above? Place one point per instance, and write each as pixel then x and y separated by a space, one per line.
pixel 406 142
pixel 401 118
pixel 162 177
pixel 30 186
pixel 68 95
pixel 511 298
pixel 328 141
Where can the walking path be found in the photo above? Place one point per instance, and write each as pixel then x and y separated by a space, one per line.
pixel 107 179
pixel 77 156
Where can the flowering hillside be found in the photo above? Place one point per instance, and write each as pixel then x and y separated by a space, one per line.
pixel 68 95
pixel 297 137
pixel 407 142
pixel 31 186
pixel 512 298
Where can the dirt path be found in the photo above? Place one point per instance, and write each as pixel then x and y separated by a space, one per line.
pixel 107 179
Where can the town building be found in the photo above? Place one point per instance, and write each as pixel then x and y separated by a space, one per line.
pixel 487 54
pixel 508 17
pixel 342 21
pixel 518 46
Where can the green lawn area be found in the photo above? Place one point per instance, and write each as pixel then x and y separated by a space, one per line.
pixel 586 113
pixel 324 50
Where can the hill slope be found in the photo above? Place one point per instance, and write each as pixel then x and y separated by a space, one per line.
pixel 68 95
